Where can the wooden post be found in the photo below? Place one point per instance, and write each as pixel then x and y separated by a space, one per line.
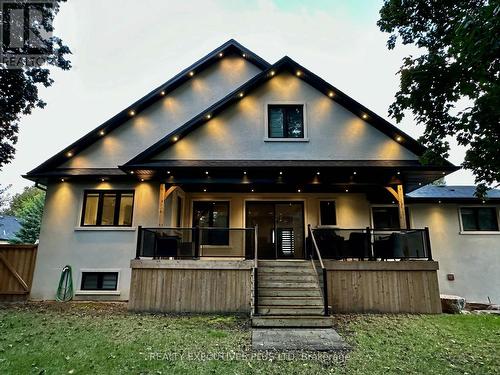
pixel 400 198
pixel 161 206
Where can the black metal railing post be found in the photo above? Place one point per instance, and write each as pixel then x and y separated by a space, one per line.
pixel 369 246
pixel 428 243
pixel 256 272
pixel 325 290
pixel 139 242
pixel 197 241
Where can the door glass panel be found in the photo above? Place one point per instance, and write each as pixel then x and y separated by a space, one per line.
pixel 290 229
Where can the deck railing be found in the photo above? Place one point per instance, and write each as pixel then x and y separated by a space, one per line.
pixel 323 276
pixel 195 243
pixel 373 244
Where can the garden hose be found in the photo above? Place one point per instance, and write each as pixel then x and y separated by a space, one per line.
pixel 65 289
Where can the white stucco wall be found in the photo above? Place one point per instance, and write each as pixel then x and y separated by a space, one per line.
pixel 166 115
pixel 62 242
pixel 334 133
pixel 474 259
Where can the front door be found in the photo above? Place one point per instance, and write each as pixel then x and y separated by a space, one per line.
pixel 280 228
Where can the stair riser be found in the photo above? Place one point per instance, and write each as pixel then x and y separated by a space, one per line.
pixel 289 293
pixel 289 311
pixel 283 263
pixel 293 270
pixel 279 284
pixel 297 278
pixel 276 301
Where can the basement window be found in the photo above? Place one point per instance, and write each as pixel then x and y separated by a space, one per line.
pixel 479 219
pixel 107 208
pixel 99 281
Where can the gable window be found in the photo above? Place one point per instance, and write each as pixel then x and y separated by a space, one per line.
pixel 99 281
pixel 107 208
pixel 479 218
pixel 327 213
pixel 388 218
pixel 285 120
pixel 210 214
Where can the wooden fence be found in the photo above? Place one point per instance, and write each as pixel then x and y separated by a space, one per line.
pixel 17 263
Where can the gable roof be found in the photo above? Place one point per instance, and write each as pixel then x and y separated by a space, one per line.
pixel 230 47
pixel 285 64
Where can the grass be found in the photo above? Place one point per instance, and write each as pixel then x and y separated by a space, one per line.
pixel 103 338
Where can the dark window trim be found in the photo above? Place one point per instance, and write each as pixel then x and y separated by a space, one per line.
pixel 100 277
pixel 285 122
pixel 227 203
pixel 100 203
pixel 476 218
pixel 335 213
pixel 407 211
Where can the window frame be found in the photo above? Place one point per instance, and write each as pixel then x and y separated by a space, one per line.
pixel 409 221
pixel 115 292
pixel 336 213
pixel 100 202
pixel 224 201
pixel 267 124
pixel 478 231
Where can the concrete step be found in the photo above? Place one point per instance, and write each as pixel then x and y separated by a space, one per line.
pixel 289 310
pixel 291 300
pixel 289 292
pixel 300 277
pixel 287 284
pixel 299 321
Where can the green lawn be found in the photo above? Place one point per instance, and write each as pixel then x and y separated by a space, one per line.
pixel 105 339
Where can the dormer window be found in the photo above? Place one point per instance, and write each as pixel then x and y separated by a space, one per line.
pixel 285 122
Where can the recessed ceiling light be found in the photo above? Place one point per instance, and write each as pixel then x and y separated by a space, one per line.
pixel 206 172
pixel 168 172
pixel 162 93
pixel 241 95
pixel 281 172
pixel 298 73
pixel 318 173
pixel 298 190
pixel 101 132
pixel 347 190
pixel 365 116
pixel 205 190
pixel 399 172
pixel 175 139
pixel 272 72
pixel 209 116
pixel 62 179
pixel 354 173
pixel 142 179
pixel 252 190
pixel 191 73
pixel 69 154
pixel 221 54
pixel 131 112
pixel 102 180
pixel 244 55
pixel 244 172
pixel 131 172
pixel 399 138
pixel 331 94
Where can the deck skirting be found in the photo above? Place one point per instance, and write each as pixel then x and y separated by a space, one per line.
pixel 383 287
pixel 197 286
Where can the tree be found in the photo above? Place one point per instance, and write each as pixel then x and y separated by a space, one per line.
pixel 452 87
pixel 4 198
pixel 18 201
pixel 30 214
pixel 19 87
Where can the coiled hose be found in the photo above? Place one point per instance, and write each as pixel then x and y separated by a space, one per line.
pixel 65 289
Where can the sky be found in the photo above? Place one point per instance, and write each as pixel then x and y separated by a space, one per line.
pixel 122 49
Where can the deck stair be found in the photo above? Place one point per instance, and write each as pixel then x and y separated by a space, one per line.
pixel 289 295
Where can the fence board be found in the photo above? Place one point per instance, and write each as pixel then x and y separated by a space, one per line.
pixel 17 263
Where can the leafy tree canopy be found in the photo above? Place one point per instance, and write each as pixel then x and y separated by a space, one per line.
pixel 30 216
pixel 19 87
pixel 452 87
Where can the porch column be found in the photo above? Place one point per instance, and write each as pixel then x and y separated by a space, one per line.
pixel 400 198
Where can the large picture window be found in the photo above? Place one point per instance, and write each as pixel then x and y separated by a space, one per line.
pixel 210 214
pixel 479 218
pixel 388 218
pixel 285 120
pixel 107 208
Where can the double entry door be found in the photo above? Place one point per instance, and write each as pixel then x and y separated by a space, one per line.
pixel 280 228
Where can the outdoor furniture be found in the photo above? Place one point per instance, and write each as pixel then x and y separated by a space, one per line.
pixel 330 244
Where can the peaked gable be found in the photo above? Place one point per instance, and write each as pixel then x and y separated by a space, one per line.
pixel 287 66
pixel 90 141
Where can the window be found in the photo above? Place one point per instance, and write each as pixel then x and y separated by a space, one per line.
pixel 99 281
pixel 107 208
pixel 479 219
pixel 285 121
pixel 328 214
pixel 212 215
pixel 388 217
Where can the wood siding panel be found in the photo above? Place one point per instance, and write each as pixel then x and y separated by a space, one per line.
pixel 190 290
pixel 380 291
pixel 20 260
